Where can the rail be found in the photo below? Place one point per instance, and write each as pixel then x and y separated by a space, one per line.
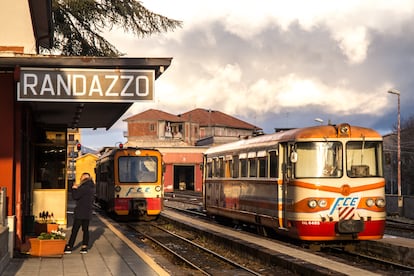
pixel 196 256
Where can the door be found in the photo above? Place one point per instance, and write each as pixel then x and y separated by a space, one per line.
pixel 285 152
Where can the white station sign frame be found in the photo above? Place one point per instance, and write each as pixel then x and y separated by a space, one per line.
pixel 85 85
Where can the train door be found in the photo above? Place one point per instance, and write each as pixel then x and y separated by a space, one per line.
pixel 285 154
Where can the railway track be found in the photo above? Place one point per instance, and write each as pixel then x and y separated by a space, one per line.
pixel 367 261
pixel 191 254
pixel 399 228
pixel 349 254
pixel 377 263
pixel 193 202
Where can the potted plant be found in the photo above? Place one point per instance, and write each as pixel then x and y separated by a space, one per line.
pixel 48 244
pixel 46 223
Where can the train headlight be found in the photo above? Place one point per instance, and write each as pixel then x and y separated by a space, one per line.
pixel 158 188
pixel 369 202
pixel 380 202
pixel 322 203
pixel 117 188
pixel 312 203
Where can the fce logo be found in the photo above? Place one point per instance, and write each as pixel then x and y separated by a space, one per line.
pixel 345 202
pixel 138 190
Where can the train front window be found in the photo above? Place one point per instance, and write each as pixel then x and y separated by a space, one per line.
pixel 133 169
pixel 318 159
pixel 364 159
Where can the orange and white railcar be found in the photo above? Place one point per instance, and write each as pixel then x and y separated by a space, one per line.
pixel 321 183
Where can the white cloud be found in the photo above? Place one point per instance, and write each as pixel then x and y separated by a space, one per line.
pixel 319 58
pixel 347 21
pixel 353 43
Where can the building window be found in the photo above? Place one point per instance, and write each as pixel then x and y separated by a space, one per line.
pixel 152 127
pixel 71 137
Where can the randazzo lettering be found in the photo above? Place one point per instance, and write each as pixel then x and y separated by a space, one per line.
pixel 79 85
pixel 95 85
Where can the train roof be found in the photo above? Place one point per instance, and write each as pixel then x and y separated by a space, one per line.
pixel 107 151
pixel 323 132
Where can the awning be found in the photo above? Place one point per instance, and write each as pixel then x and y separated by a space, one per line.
pixel 80 114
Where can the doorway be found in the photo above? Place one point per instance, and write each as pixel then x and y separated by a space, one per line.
pixel 184 177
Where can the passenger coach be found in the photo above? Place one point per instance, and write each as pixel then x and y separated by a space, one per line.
pixel 316 184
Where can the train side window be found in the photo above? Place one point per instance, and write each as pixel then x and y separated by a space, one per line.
pixel 209 169
pixel 273 164
pixel 221 167
pixel 108 175
pixel 215 167
pixel 252 167
pixel 236 165
pixel 229 168
pixel 243 166
pixel 262 163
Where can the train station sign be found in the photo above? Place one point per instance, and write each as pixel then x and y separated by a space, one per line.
pixel 85 85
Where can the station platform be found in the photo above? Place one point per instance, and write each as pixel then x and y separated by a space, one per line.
pixel 110 253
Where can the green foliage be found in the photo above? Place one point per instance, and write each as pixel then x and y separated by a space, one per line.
pixel 54 235
pixel 78 25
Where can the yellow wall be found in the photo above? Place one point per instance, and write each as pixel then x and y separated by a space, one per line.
pixel 86 163
pixel 52 201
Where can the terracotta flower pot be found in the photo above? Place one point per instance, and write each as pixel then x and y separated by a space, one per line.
pixel 42 248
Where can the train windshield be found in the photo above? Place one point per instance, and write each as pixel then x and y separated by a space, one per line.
pixel 137 169
pixel 364 159
pixel 318 159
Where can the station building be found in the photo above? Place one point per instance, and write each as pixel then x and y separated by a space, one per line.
pixel 182 139
pixel 42 96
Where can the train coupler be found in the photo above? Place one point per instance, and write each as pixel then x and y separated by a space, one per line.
pixel 350 226
pixel 138 207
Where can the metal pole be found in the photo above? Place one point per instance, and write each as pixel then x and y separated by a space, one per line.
pixel 400 200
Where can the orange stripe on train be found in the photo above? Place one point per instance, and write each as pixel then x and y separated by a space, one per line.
pixel 345 189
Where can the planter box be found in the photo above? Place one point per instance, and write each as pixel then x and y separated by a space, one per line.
pixel 45 227
pixel 44 248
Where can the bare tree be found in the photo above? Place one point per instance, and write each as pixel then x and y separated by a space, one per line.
pixel 79 24
pixel 407 156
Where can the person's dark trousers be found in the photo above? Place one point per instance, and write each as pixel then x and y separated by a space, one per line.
pixel 77 223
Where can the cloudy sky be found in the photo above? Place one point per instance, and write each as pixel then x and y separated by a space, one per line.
pixel 278 64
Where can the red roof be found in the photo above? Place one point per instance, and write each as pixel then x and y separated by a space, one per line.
pixel 207 117
pixel 154 115
pixel 204 117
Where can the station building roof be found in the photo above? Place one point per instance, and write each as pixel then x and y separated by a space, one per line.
pixel 80 114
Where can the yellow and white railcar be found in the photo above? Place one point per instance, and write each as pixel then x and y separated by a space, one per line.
pixel 129 182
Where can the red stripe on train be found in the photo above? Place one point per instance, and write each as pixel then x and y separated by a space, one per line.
pixel 311 230
pixel 154 204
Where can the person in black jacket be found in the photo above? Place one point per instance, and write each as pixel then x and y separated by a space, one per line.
pixel 84 195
